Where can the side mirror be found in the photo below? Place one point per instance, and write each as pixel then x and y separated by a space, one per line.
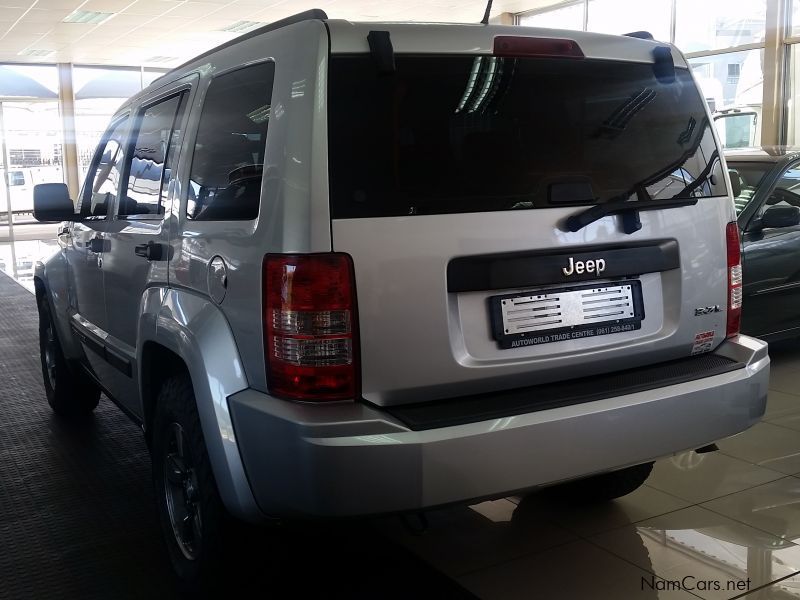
pixel 51 203
pixel 780 216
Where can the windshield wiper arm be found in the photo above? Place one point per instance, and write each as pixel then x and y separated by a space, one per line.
pixel 628 209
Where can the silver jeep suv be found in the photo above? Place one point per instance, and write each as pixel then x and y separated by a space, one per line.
pixel 339 269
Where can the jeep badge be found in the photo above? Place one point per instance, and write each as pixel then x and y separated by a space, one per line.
pixel 589 266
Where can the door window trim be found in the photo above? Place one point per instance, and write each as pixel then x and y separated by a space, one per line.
pixel 116 121
pixel 182 91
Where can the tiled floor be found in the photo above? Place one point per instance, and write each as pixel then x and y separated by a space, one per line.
pixel 724 524
pixel 78 520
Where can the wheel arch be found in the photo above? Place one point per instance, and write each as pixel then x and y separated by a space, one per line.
pixel 191 334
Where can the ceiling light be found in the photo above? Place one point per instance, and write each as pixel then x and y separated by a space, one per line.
pixel 86 16
pixel 242 26
pixel 35 52
pixel 160 59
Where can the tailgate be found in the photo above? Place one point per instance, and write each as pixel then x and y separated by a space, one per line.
pixel 420 341
pixel 451 182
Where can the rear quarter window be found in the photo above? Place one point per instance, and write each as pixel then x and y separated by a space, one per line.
pixel 228 158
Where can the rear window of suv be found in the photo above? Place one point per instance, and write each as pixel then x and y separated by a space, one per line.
pixel 456 134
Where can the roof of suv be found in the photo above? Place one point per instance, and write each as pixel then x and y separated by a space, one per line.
pixel 456 38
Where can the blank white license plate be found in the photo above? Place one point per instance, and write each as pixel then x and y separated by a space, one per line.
pixel 568 313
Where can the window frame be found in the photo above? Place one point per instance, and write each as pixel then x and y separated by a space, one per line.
pixel 792 166
pixel 184 197
pixel 122 118
pixel 750 217
pixel 183 91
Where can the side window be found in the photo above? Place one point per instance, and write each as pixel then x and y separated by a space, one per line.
pixel 228 160
pixel 787 190
pixel 103 178
pixel 16 178
pixel 790 180
pixel 152 158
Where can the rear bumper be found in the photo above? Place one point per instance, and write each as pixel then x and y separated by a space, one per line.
pixel 353 459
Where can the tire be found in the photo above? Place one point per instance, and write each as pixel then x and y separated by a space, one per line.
pixel 603 487
pixel 70 393
pixel 190 510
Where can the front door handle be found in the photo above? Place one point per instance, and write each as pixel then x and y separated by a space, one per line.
pixel 96 244
pixel 149 251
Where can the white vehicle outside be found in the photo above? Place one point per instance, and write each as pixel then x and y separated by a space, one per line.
pixel 737 119
pixel 739 126
pixel 19 186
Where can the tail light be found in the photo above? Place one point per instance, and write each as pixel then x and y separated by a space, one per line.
pixel 309 326
pixel 734 280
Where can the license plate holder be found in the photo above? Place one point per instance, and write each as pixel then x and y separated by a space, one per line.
pixel 559 314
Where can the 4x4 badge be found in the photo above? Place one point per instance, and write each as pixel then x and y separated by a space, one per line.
pixel 580 266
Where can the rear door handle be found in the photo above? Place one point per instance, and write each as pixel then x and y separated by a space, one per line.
pixel 149 251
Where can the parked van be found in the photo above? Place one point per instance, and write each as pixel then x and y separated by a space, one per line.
pixel 337 269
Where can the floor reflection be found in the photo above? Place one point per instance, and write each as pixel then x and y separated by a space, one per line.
pixel 32 242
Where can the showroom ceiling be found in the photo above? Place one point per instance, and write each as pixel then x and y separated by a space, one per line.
pixel 163 33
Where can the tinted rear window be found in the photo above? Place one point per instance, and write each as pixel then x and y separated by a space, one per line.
pixel 451 134
pixel 228 161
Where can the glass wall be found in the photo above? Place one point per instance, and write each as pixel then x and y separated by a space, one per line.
pixel 733 78
pixel 565 16
pixel 718 24
pixel 793 97
pixel 792 120
pixel 32 128
pixel 625 16
pixel 98 94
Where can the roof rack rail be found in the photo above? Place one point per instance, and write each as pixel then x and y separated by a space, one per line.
pixel 314 14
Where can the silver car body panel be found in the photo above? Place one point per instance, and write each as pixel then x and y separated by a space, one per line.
pixel 303 462
pixel 460 356
pixel 294 213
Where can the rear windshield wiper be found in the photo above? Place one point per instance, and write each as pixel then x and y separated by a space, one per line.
pixel 630 209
